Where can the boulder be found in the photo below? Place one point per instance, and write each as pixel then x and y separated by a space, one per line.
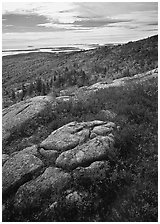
pixel 5 157
pixel 61 99
pixel 111 135
pixel 98 148
pixel 31 150
pixel 19 169
pixel 93 135
pixel 49 155
pixel 76 198
pixel 110 125
pixel 98 86
pixel 105 115
pixel 66 137
pixel 21 115
pixel 3 208
pixel 91 124
pixel 96 171
pixel 48 185
pixel 102 130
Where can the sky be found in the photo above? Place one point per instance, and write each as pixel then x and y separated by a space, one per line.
pixel 42 24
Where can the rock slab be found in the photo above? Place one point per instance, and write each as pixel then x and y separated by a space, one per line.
pixel 98 148
pixel 66 137
pixel 96 171
pixel 19 114
pixel 31 194
pixel 17 169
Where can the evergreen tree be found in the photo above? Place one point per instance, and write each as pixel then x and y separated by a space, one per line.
pixel 66 69
pixel 81 78
pixel 13 95
pixel 51 82
pixel 44 91
pixel 47 87
pixel 54 78
pixel 24 91
pixel 39 85
pixel 30 89
pixel 58 82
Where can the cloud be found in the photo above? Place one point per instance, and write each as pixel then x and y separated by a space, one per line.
pixel 32 22
pixel 153 23
pixel 28 23
pixel 127 26
pixel 66 11
pixel 64 26
pixel 77 21
pixel 50 10
pixel 8 25
pixel 99 22
pixel 103 9
pixel 23 19
pixel 57 26
pixel 73 15
pixel 151 29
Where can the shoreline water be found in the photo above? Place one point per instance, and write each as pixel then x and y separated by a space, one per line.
pixel 56 49
pixel 10 53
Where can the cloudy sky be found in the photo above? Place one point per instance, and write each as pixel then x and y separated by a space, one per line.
pixel 64 23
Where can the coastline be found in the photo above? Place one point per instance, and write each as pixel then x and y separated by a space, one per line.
pixel 60 49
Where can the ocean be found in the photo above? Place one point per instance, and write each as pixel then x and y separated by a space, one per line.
pixel 70 48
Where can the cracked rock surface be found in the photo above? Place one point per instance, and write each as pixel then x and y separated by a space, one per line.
pixel 75 150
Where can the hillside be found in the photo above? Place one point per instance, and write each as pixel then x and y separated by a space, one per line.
pixel 80 135
pixel 88 156
pixel 79 68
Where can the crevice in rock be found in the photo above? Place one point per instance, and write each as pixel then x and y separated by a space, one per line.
pixel 22 109
pixel 77 130
pixel 88 163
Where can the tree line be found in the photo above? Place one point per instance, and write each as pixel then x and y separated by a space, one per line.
pixel 59 80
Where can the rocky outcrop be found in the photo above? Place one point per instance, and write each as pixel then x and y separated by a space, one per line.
pixel 23 114
pixel 124 81
pixel 76 150
pixel 72 152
